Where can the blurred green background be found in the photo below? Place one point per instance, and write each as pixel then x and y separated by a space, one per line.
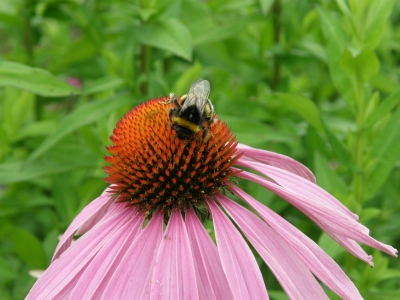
pixel 315 80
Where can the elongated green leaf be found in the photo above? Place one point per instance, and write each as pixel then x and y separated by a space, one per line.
pixel 206 30
pixel 329 245
pixel 103 84
pixel 386 151
pixel 66 200
pixel 338 147
pixel 40 128
pixel 304 107
pixel 384 108
pixel 253 133
pixel 7 270
pixel 169 35
pixel 327 178
pixel 21 171
pixel 379 12
pixel 265 5
pixel 84 115
pixel 383 83
pixel 344 7
pixel 29 248
pixel 182 85
pixel 35 80
pixel 336 42
pixel 364 65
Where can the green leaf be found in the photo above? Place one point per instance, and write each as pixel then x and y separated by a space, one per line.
pixel 383 83
pixel 29 248
pixel 369 213
pixel 253 133
pixel 103 84
pixel 378 15
pixel 338 147
pixel 20 171
pixel 386 151
pixel 7 270
pixel 304 107
pixel 35 80
pixel 83 115
pixel 184 82
pixel 330 246
pixel 206 30
pixel 40 128
pixel 336 43
pixel 384 108
pixel 384 294
pixel 265 5
pixel 345 9
pixel 328 178
pixel 363 66
pixel 170 35
pixel 65 196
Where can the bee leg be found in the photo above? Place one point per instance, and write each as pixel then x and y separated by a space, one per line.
pixel 171 112
pixel 206 134
pixel 172 98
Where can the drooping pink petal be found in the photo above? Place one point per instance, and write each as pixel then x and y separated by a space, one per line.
pixel 350 245
pixel 294 277
pixel 298 185
pixel 94 280
pixel 131 278
pixel 59 279
pixel 239 264
pixel 210 277
pixel 316 259
pixel 334 221
pixel 94 211
pixel 276 160
pixel 174 275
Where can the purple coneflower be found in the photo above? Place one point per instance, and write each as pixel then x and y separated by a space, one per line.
pixel 143 238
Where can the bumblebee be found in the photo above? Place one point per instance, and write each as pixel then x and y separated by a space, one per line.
pixel 192 112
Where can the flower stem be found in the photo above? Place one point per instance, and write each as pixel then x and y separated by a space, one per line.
pixel 359 144
pixel 145 61
pixel 276 11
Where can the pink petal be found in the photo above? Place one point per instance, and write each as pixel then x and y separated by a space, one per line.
pixel 276 160
pixel 59 279
pixel 239 263
pixel 131 278
pixel 174 275
pixel 316 259
pixel 93 211
pixel 94 280
pixel 294 277
pixel 350 245
pixel 333 220
pixel 298 185
pixel 211 280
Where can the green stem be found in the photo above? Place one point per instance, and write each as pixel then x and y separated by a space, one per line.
pixel 145 62
pixel 27 12
pixel 276 12
pixel 359 145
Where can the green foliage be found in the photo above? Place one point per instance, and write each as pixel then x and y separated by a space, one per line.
pixel 316 80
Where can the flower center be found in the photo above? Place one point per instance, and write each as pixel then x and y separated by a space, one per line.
pixel 154 169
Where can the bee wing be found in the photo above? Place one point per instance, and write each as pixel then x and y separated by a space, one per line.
pixel 198 94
